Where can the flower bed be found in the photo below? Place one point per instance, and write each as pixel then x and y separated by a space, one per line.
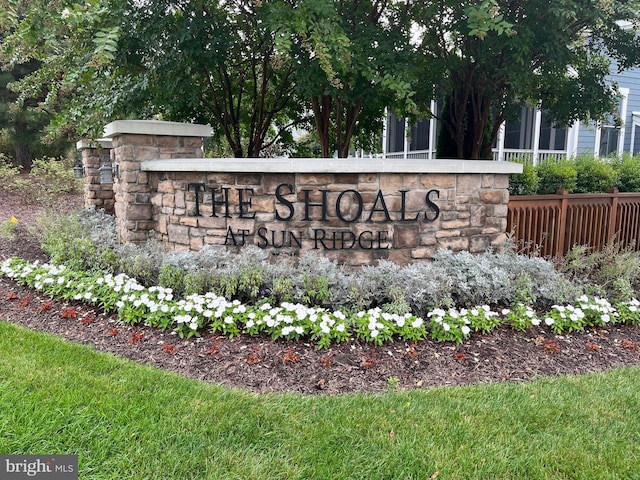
pixel 188 317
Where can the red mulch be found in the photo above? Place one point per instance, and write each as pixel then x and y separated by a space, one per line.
pixel 262 365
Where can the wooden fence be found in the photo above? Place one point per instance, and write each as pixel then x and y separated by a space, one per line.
pixel 553 224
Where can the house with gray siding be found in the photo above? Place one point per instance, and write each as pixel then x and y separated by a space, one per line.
pixel 531 136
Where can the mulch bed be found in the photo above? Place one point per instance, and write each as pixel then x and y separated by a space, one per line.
pixel 260 364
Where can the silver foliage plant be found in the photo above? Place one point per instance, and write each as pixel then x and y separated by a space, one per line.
pixel 499 277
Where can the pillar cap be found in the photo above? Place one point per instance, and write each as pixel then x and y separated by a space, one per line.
pixel 156 127
pixel 100 142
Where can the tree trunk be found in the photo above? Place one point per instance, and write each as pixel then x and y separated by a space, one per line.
pixel 353 111
pixel 24 158
pixel 321 113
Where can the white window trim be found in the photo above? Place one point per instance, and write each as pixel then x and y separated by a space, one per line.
pixel 635 122
pixel 624 101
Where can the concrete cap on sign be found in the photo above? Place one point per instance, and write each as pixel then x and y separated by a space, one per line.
pixel 329 165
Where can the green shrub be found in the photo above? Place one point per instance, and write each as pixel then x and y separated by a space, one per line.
pixel 66 240
pixel 525 183
pixel 8 173
pixel 48 179
pixel 459 280
pixel 282 289
pixel 628 171
pixel 555 176
pixel 143 262
pixel 7 148
pixel 53 177
pixel 594 175
pixel 8 230
pixel 613 272
pixel 172 277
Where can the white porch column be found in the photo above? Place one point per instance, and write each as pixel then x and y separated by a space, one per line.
pixel 536 135
pixel 500 141
pixel 624 102
pixel 572 139
pixel 406 138
pixel 432 131
pixel 635 122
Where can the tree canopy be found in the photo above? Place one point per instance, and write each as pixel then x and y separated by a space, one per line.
pixel 353 59
pixel 484 59
pixel 256 70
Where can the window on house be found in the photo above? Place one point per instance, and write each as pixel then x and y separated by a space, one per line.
pixel 518 133
pixel 610 131
pixel 608 140
pixel 395 134
pixel 551 137
pixel 420 136
pixel 636 141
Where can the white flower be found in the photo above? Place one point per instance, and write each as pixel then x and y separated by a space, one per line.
pixel 66 13
pixel 535 321
pixel 465 330
pixel 548 321
pixel 446 327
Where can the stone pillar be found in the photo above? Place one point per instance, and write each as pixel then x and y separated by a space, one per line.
pixel 94 154
pixel 135 141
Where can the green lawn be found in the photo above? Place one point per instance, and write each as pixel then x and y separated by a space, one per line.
pixel 131 422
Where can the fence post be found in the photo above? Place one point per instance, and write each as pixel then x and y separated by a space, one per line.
pixel 562 227
pixel 613 216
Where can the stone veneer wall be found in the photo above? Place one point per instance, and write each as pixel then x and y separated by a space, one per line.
pixel 472 213
pixel 159 163
pixel 94 155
